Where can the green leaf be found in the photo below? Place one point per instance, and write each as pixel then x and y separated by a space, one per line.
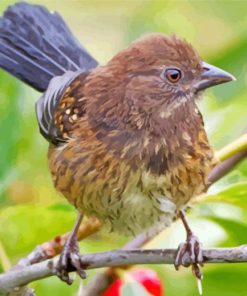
pixel 4 259
pixel 61 206
pixel 236 230
pixel 133 289
pixel 235 194
pixel 25 226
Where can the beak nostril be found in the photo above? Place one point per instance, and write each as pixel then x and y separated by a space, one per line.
pixel 206 69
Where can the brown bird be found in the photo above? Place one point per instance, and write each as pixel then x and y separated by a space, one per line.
pixel 127 141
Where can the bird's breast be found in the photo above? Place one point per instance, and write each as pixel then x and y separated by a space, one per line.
pixel 133 180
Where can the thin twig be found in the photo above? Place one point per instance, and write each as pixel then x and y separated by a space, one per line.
pixel 238 145
pixel 226 166
pixel 16 278
pixel 103 279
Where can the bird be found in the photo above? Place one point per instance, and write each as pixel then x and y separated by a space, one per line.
pixel 127 142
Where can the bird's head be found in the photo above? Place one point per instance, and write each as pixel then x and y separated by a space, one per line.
pixel 165 71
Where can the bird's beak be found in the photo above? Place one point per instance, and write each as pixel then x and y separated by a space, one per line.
pixel 212 76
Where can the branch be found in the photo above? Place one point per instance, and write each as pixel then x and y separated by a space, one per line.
pixel 226 166
pixel 16 278
pixel 103 279
pixel 50 249
pixel 233 148
pixel 55 246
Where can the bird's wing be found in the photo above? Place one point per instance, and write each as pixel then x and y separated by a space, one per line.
pixel 49 102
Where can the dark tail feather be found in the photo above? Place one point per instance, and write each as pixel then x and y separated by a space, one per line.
pixel 36 45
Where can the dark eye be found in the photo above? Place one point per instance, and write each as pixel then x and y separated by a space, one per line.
pixel 173 75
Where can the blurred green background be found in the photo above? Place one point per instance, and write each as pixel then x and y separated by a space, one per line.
pixel 31 211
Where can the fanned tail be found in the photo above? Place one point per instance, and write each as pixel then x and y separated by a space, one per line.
pixel 36 45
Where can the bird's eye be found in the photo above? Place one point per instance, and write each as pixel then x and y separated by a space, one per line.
pixel 173 75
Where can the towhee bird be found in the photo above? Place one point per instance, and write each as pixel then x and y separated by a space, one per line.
pixel 127 141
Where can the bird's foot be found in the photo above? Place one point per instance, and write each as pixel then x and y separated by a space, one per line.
pixel 69 260
pixel 192 246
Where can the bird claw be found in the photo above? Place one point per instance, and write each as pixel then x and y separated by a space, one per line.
pixel 69 258
pixel 193 247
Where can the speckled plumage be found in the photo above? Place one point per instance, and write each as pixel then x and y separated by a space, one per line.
pixel 136 150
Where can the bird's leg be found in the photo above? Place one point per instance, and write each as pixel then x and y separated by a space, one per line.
pixel 192 246
pixel 70 256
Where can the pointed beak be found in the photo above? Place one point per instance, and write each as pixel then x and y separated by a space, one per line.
pixel 212 76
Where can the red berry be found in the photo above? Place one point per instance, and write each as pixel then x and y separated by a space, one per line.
pixel 148 278
pixel 114 288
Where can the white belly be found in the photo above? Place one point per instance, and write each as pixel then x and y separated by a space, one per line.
pixel 135 212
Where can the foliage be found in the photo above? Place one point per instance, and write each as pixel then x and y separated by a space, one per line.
pixel 32 212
